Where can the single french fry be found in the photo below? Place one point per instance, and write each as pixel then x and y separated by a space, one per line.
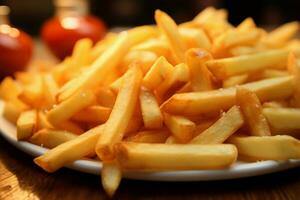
pixel 155 45
pixel 252 112
pixel 153 136
pixel 105 96
pixel 226 67
pixel 141 33
pixel 145 58
pixel 152 117
pixel 234 38
pixel 65 110
pixel 174 81
pixel 169 28
pixel 282 34
pixel 246 24
pixel 205 14
pixel 235 80
pixel 11 112
pixel 283 118
pixel 26 124
pixel 222 129
pixel 102 45
pixel 156 74
pixel 50 89
pixel 121 114
pixel 174 156
pixel 256 148
pixel 182 128
pixel 273 73
pixel 51 138
pixel 200 76
pixel 98 69
pixel 134 125
pixel 10 90
pixel 195 38
pixel 70 126
pixel 294 69
pixel 70 151
pixel 93 114
pixel 32 93
pixel 212 101
pixel 243 50
pixel 111 176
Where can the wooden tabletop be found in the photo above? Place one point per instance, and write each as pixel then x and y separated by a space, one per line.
pixel 21 179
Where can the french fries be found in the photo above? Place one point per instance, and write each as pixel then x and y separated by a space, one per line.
pixel 121 113
pixel 174 156
pixel 152 116
pixel 51 138
pixel 222 129
pixel 224 68
pixel 256 148
pixel 195 103
pixel 164 97
pixel 252 112
pixel 70 151
pixel 181 127
pixel 26 124
pixel 201 78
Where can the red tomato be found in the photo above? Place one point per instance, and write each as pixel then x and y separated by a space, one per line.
pixel 16 50
pixel 60 35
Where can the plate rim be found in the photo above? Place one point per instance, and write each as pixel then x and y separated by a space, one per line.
pixel 237 170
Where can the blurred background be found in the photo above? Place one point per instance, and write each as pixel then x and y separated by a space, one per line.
pixel 30 14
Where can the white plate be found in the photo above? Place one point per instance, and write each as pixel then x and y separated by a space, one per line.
pixel 238 170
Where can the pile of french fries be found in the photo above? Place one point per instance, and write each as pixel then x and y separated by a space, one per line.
pixel 192 96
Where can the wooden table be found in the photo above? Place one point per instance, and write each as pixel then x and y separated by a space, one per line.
pixel 21 179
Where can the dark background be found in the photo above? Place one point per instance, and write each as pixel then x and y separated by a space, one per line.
pixel 30 14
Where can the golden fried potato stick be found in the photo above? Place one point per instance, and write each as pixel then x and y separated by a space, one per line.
pixel 11 112
pixel 121 113
pixel 102 45
pixel 157 73
pixel 70 151
pixel 10 90
pixel 226 67
pixel 169 28
pixel 151 136
pixel 235 80
pixel 152 116
pixel 282 34
pixel 283 118
pixel 246 24
pixel 173 81
pixel 181 127
pixel 195 103
pixel 26 124
pixel 273 73
pixel 98 69
pixel 195 38
pixel 174 156
pixel 201 77
pixel 294 69
pixel 222 129
pixel 51 138
pixel 155 45
pixel 66 109
pixel 234 38
pixel 50 88
pixel 93 114
pixel 256 148
pixel 252 112
pixel 111 176
pixel 141 33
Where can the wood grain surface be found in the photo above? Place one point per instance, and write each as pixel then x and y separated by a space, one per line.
pixel 21 179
